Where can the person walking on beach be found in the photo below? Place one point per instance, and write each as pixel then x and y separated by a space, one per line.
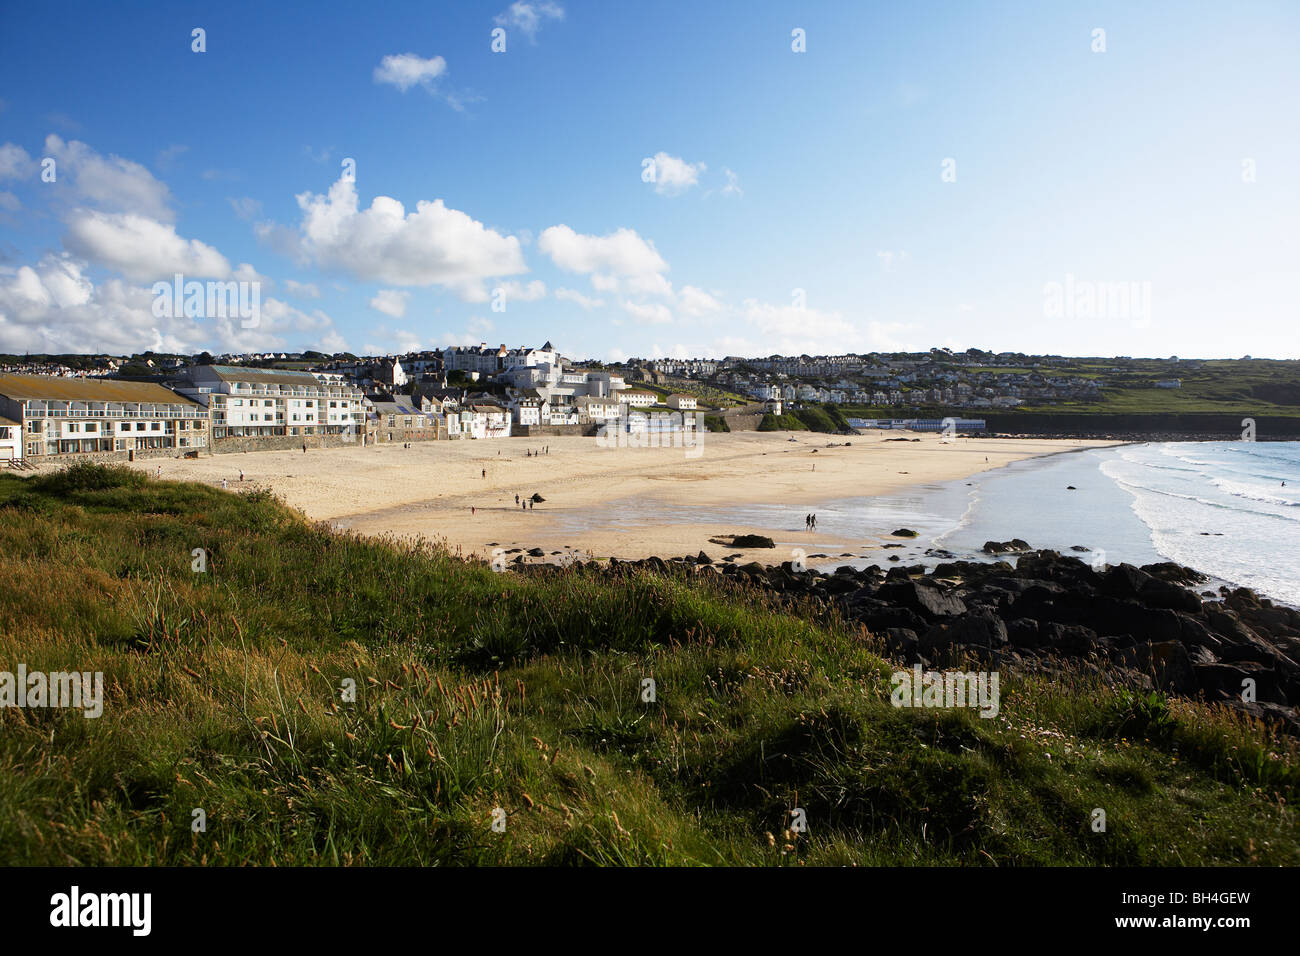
pixel 472 510
pixel 223 484
pixel 241 474
pixel 531 502
pixel 484 472
pixel 516 499
pixel 814 517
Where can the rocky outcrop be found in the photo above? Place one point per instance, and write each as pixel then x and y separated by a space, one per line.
pixel 1049 613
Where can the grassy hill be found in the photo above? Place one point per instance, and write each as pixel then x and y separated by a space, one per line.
pixel 478 690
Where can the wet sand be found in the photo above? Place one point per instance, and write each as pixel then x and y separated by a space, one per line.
pixel 623 502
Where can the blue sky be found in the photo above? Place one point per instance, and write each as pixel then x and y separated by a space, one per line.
pixel 1166 162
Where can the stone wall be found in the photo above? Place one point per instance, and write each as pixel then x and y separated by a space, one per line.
pixel 553 431
pixel 226 446
pixel 111 456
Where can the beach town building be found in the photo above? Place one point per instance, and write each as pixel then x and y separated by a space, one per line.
pixel 681 403
pixel 593 410
pixel 401 418
pixel 481 419
pixel 62 416
pixel 492 361
pixel 253 402
pixel 11 441
pixel 637 398
pixel 527 408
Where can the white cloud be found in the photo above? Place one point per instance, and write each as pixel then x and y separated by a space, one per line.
pixel 733 184
pixel 141 248
pixel 433 245
pixel 111 183
pixel 15 163
pixel 405 70
pixel 528 17
pixel 790 330
pixel 54 307
pixel 246 208
pixel 572 295
pixel 696 303
pixel 303 290
pixel 673 175
pixel 390 302
pixel 518 292
pixel 621 253
pixel 168 156
pixel 655 313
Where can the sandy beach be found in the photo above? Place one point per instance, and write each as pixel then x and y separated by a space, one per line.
pixel 600 502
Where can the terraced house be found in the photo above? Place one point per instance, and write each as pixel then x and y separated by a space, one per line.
pixel 61 416
pixel 254 402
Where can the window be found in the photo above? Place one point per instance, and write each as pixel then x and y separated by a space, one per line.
pixel 155 426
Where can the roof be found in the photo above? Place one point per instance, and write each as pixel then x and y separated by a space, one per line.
pixel 6 421
pixel 20 387
pixel 594 400
pixel 485 407
pixel 263 376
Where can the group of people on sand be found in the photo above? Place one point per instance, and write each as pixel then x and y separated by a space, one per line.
pixel 529 453
pixel 223 481
pixel 810 522
pixel 524 503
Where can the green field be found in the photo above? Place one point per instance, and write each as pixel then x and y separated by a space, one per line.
pixel 478 691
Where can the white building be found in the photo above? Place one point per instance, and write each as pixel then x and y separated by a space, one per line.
pixel 81 415
pixel 637 398
pixel 11 440
pixel 253 402
pixel 484 420
pixel 593 410
pixel 682 403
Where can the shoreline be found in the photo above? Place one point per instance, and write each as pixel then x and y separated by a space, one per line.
pixel 462 493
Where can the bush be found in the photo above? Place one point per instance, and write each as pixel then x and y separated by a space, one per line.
pixel 88 476
pixel 716 423
pixel 781 423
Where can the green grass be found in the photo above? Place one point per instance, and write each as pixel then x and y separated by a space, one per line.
pixel 477 690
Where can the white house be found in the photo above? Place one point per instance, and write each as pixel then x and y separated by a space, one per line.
pixel 593 410
pixel 484 420
pixel 255 402
pixel 637 398
pixel 11 440
pixel 682 403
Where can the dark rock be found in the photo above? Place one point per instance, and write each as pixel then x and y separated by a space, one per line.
pixel 752 541
pixel 904 533
pixel 703 558
pixel 978 628
pixel 1123 581
pixel 1013 546
pixel 924 598
pixel 1167 662
pixel 1072 639
pixel 1155 592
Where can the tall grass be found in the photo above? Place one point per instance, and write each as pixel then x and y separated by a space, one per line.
pixel 328 699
